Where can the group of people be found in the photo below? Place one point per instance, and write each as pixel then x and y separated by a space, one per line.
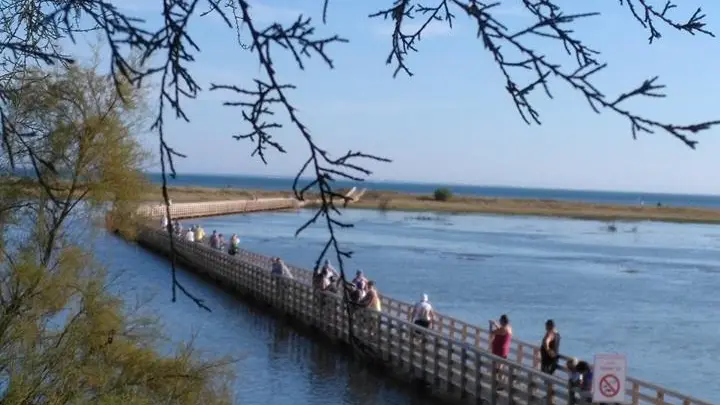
pixel 217 241
pixel 579 372
pixel 196 233
pixel 362 291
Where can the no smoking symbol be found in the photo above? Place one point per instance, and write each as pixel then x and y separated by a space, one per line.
pixel 609 386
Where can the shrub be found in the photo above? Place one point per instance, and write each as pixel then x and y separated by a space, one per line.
pixel 442 194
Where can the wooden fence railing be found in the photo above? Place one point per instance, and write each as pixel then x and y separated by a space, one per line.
pixel 522 354
pixel 451 368
pixel 214 208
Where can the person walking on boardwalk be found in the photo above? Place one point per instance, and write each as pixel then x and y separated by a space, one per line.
pixel 550 348
pixel 214 240
pixel 280 271
pixel 422 313
pixel 574 378
pixel 234 245
pixel 329 276
pixel 279 268
pixel 371 301
pixel 360 282
pixel 372 298
pixel 199 233
pixel 190 235
pixel 500 336
pixel 586 376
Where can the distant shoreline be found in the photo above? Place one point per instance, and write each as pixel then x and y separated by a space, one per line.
pixel 618 197
pixel 238 181
pixel 409 202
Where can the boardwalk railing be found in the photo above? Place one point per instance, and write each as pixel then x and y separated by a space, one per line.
pixel 461 334
pixel 215 208
pixel 449 367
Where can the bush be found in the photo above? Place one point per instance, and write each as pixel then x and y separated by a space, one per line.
pixel 442 194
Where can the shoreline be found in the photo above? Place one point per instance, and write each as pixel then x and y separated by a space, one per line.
pixel 399 201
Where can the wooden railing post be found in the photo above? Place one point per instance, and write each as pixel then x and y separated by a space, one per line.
pixel 510 382
pixel 536 358
pixel 412 339
pixel 635 393
pixel 478 376
pixel 494 376
pixel 531 388
pixel 550 392
pixel 464 370
pixel 520 354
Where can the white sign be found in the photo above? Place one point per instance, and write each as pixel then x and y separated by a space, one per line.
pixel 608 381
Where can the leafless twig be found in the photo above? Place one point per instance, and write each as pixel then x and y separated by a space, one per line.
pixel 32 29
pixel 512 53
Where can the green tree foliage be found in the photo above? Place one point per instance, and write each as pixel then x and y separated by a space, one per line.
pixel 442 194
pixel 74 131
pixel 64 338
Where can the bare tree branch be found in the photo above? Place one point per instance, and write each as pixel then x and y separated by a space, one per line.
pixel 647 15
pixel 551 23
pixel 32 29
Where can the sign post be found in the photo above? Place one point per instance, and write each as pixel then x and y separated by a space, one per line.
pixel 608 382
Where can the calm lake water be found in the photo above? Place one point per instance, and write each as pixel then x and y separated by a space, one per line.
pixel 649 290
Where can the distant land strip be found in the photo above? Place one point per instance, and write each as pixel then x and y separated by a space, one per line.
pixel 399 201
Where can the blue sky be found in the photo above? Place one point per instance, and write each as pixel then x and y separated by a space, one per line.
pixel 452 121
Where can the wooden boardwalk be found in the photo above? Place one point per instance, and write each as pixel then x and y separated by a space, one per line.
pixel 452 358
pixel 217 208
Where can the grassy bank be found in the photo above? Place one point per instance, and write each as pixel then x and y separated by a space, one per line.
pixel 396 201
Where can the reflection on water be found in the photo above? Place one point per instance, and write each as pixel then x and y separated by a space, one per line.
pixel 634 291
pixel 275 363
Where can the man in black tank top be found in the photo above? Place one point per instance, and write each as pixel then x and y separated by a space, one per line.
pixel 550 348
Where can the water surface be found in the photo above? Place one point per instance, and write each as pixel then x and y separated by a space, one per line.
pixel 649 290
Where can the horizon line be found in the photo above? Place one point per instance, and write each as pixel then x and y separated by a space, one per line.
pixel 420 182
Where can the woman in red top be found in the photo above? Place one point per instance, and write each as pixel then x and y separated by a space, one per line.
pixel 500 336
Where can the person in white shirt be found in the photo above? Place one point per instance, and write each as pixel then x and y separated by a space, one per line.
pixel 330 275
pixel 422 313
pixel 279 268
pixel 360 281
pixel 190 235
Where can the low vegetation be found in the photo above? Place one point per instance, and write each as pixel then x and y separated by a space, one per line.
pixel 398 201
pixel 442 194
